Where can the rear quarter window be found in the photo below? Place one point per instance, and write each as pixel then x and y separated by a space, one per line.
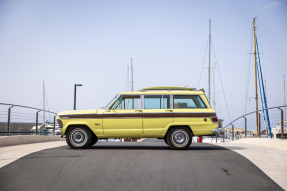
pixel 187 101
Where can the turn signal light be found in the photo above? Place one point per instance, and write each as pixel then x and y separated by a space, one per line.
pixel 60 122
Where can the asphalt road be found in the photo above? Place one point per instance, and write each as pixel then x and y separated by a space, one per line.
pixel 147 165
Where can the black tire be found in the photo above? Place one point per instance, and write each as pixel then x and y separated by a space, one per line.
pixel 79 137
pixel 179 138
pixel 165 140
pixel 94 139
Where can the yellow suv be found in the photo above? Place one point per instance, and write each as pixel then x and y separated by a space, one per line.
pixel 174 114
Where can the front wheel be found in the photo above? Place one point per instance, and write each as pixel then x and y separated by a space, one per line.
pixel 165 140
pixel 94 139
pixel 179 138
pixel 79 137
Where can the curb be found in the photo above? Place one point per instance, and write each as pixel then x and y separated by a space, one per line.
pixel 26 139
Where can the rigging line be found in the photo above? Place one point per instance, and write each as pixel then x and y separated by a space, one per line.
pixel 263 90
pixel 202 64
pixel 220 80
pixel 248 75
pixel 257 65
pixel 262 63
pixel 260 78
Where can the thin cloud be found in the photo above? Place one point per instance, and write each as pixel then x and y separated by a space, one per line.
pixel 271 5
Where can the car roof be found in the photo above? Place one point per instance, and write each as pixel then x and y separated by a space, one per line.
pixel 166 90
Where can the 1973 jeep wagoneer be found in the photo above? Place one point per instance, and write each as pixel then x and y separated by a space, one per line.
pixel 174 114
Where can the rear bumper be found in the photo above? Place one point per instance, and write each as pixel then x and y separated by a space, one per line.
pixel 57 132
pixel 216 131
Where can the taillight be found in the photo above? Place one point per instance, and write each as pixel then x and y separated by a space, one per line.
pixel 214 120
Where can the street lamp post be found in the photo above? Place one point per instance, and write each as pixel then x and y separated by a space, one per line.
pixel 75 95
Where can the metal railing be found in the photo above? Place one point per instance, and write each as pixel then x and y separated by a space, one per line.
pixel 13 105
pixel 259 121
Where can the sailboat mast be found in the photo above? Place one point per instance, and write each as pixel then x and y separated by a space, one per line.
pixel 132 82
pixel 128 79
pixel 209 62
pixel 44 103
pixel 256 95
pixel 214 89
pixel 284 91
pixel 284 98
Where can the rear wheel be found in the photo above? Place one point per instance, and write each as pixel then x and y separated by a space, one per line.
pixel 78 137
pixel 179 138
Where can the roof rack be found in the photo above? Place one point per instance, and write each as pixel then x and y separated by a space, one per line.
pixel 167 88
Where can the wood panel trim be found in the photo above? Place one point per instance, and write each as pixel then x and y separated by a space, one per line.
pixel 139 115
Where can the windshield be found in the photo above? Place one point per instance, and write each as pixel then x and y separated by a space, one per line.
pixel 111 102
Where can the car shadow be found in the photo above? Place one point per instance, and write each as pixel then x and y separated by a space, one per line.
pixel 150 147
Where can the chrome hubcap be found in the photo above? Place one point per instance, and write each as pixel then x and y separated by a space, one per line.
pixel 78 137
pixel 179 138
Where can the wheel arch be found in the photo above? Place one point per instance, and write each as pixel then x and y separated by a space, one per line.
pixel 78 125
pixel 172 126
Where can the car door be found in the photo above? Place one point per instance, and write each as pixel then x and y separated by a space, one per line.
pixel 124 118
pixel 192 110
pixel 157 114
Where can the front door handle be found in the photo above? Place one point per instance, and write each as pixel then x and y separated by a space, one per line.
pixel 139 110
pixel 169 110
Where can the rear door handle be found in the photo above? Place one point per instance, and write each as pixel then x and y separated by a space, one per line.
pixel 169 110
pixel 139 110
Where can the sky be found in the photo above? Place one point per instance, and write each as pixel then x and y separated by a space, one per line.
pixel 92 42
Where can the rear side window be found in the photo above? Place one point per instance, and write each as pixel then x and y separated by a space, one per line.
pixel 187 101
pixel 157 101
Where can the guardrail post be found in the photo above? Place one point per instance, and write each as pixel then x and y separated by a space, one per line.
pixel 245 127
pixel 37 122
pixel 259 125
pixel 282 124
pixel 232 132
pixel 54 122
pixel 8 129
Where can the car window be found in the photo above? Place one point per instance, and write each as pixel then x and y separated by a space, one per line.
pixel 128 102
pixel 111 102
pixel 187 101
pixel 156 101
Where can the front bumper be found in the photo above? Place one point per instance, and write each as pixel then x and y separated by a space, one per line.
pixel 57 132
